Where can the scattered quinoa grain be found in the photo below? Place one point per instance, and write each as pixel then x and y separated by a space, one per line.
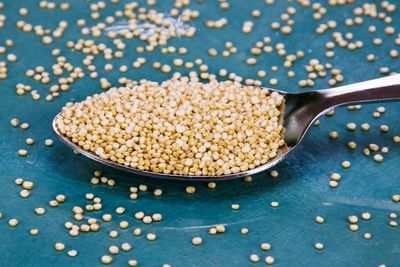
pixel 274 204
pixel 366 216
pixel 106 259
pixel 132 263
pixel 23 152
pixel 319 246
pixel 333 184
pixel 269 260
pixel 126 246
pixel 319 219
pixel 197 241
pixel 151 237
pixel 367 236
pixel 235 206
pixel 244 231
pixel 14 122
pixel 353 227
pixel 254 258
pixel 34 231
pixel 190 189
pixel 13 222
pixel 378 158
pixel 265 246
pixel 352 219
pixel 48 142
pixel 137 232
pixel 346 164
pixel 59 246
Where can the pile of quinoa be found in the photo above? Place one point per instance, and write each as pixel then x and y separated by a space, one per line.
pixel 181 126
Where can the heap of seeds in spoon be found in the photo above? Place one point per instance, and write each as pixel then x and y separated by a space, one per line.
pixel 181 126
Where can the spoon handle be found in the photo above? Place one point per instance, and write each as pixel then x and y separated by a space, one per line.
pixel 302 109
pixel 382 89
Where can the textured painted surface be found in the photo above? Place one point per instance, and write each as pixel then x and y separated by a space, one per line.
pixel 301 188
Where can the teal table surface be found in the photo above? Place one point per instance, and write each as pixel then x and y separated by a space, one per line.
pixel 302 187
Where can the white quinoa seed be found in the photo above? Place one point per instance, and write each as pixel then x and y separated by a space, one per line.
pixel 352 219
pixel 143 187
pixel 378 158
pixel 59 246
pixel 333 184
pixel 353 227
pixel 53 203
pixel 40 211
pixel 24 126
pixel 212 231
pixel 106 259
pixel 319 246
pixel 333 135
pixel 274 173
pixel 365 127
pixel 269 260
pixel 247 179
pixel 113 234
pixel 335 176
pixel 132 263
pixel 34 231
pixel 254 258
pixel 211 185
pixel 27 185
pixel 367 236
pixel 13 222
pixel 137 232
pixel 265 246
pixel 156 217
pixel 147 219
pixel 190 189
pixel 319 219
pixel 157 192
pixel 24 193
pixel 126 246
pixel 48 142
pixel 107 217
pixel 366 216
pixel 244 231
pixel 346 164
pixel 274 204
pixel 220 228
pixel 197 241
pixel 60 198
pixel 351 126
pixel 19 181
pixel 14 122
pixel 23 152
pixel 29 141
pixel 151 236
pixel 124 224
pixel 113 250
pixel 120 210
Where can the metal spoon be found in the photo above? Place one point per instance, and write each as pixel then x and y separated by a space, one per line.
pixel 301 110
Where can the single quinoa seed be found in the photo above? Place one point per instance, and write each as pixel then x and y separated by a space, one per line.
pixel 319 219
pixel 197 241
pixel 319 246
pixel 269 260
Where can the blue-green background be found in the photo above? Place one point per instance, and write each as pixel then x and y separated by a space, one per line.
pixel 301 188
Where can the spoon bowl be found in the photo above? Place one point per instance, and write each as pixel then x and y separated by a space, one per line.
pixel 300 112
